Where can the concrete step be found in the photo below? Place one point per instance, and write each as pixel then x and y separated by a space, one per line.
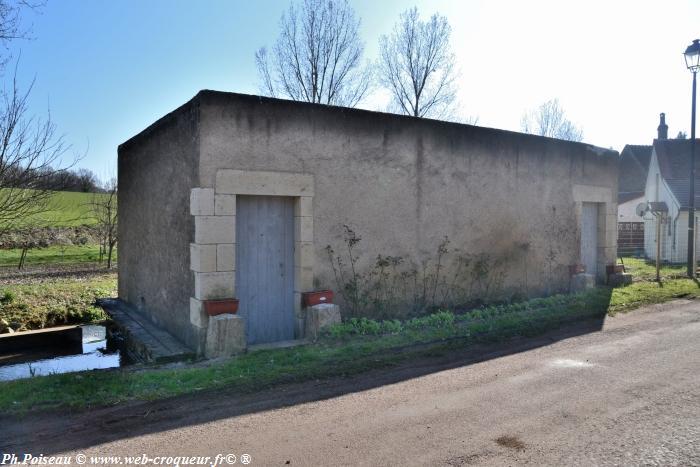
pixel 145 341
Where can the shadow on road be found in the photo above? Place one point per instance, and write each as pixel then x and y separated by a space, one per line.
pixel 61 431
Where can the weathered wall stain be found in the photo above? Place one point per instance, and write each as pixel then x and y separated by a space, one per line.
pixel 403 183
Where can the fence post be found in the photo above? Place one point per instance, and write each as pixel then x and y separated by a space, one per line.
pixel 658 248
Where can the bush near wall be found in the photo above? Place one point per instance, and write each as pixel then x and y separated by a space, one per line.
pixel 392 288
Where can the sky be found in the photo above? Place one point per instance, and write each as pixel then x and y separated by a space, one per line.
pixel 105 70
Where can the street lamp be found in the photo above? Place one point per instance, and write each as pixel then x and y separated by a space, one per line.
pixel 692 61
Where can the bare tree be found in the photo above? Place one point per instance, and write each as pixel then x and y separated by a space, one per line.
pixel 11 27
pixel 104 211
pixel 317 56
pixel 30 149
pixel 418 67
pixel 550 120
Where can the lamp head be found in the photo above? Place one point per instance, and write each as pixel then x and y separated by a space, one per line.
pixel 692 56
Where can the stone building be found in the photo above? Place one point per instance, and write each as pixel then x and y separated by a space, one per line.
pixel 238 196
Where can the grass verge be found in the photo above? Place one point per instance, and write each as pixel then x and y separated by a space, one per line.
pixel 346 349
pixel 644 270
pixel 55 302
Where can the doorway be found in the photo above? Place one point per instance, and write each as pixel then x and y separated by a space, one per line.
pixel 265 266
pixel 589 237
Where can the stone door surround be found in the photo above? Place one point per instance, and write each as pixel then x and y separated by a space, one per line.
pixel 607 221
pixel 212 255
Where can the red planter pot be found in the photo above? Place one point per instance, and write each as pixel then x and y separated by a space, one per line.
pixel 219 307
pixel 577 269
pixel 316 298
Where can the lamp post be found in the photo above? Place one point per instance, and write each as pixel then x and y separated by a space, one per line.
pixel 692 61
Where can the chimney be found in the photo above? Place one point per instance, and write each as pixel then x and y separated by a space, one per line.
pixel 663 128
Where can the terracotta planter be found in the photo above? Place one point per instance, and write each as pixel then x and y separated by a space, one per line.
pixel 614 269
pixel 577 269
pixel 317 297
pixel 219 307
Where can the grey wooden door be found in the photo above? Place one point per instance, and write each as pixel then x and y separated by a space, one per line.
pixel 265 266
pixel 589 237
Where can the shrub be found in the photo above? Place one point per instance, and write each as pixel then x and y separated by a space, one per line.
pixel 8 296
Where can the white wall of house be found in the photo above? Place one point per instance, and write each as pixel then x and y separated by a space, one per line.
pixel 627 211
pixel 674 226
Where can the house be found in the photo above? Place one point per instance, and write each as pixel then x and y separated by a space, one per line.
pixel 668 182
pixel 246 197
pixel 632 178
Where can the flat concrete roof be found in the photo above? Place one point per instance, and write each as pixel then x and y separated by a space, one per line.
pixel 378 118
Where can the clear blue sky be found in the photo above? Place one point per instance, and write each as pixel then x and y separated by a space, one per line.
pixel 109 69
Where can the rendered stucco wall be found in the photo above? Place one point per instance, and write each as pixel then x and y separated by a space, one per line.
pixel 157 169
pixel 405 184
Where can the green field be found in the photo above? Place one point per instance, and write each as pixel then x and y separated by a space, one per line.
pixel 66 209
pixel 58 254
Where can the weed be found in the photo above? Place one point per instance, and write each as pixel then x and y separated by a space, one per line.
pixel 56 302
pixel 394 288
pixel 8 296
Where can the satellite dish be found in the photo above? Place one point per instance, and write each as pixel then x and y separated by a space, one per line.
pixel 642 209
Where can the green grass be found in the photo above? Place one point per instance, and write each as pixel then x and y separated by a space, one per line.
pixel 55 302
pixel 70 254
pixel 256 370
pixel 646 270
pixel 345 349
pixel 648 293
pixel 65 209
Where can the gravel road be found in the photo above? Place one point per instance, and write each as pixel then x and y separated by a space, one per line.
pixel 627 395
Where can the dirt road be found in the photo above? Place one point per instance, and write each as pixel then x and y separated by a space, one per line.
pixel 628 395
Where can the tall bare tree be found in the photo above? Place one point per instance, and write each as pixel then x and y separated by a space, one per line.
pixel 104 211
pixel 549 119
pixel 418 67
pixel 11 26
pixel 317 56
pixel 31 151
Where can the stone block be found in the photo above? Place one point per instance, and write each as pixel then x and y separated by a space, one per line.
pixel 619 279
pixel 298 309
pixel 202 201
pixel 304 254
pixel 248 182
pixel 611 221
pixel 582 282
pixel 298 328
pixel 214 285
pixel 304 229
pixel 303 278
pixel 225 205
pixel 608 254
pixel 304 207
pixel 214 229
pixel 198 316
pixel 225 336
pixel 226 257
pixel 318 317
pixel 200 333
pixel 610 237
pixel 202 257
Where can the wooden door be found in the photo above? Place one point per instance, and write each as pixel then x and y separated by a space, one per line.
pixel 589 237
pixel 265 266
